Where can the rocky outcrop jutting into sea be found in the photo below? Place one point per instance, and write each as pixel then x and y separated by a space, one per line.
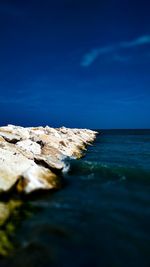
pixel 31 158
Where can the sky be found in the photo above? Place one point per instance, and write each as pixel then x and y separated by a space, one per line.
pixel 77 63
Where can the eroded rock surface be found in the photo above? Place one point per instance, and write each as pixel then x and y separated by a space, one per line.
pixel 30 157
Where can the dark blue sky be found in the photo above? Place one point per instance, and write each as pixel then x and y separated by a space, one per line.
pixel 76 63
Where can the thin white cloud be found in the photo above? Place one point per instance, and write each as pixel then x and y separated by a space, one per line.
pixel 121 58
pixel 92 55
pixel 137 42
pixel 89 58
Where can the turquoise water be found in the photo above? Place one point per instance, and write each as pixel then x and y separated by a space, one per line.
pixel 100 217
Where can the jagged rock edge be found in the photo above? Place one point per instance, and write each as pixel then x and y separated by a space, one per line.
pixel 77 154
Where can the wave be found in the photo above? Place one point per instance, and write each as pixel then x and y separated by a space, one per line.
pixel 83 168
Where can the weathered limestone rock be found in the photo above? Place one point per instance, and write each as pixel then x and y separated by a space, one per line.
pixel 29 147
pixel 36 178
pixel 29 157
pixel 52 157
pixel 14 166
pixel 13 133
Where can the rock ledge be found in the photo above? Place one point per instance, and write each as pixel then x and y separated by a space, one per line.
pixel 32 157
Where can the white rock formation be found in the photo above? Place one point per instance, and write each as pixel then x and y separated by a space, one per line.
pixel 30 156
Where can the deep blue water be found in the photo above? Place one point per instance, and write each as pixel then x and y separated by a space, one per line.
pixel 100 217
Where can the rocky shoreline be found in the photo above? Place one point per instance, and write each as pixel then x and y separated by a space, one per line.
pixel 33 158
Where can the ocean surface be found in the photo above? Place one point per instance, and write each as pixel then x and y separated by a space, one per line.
pixel 100 216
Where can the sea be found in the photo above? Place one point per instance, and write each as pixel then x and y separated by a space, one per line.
pixel 100 217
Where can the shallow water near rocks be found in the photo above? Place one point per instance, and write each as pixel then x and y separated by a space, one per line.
pixel 100 217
